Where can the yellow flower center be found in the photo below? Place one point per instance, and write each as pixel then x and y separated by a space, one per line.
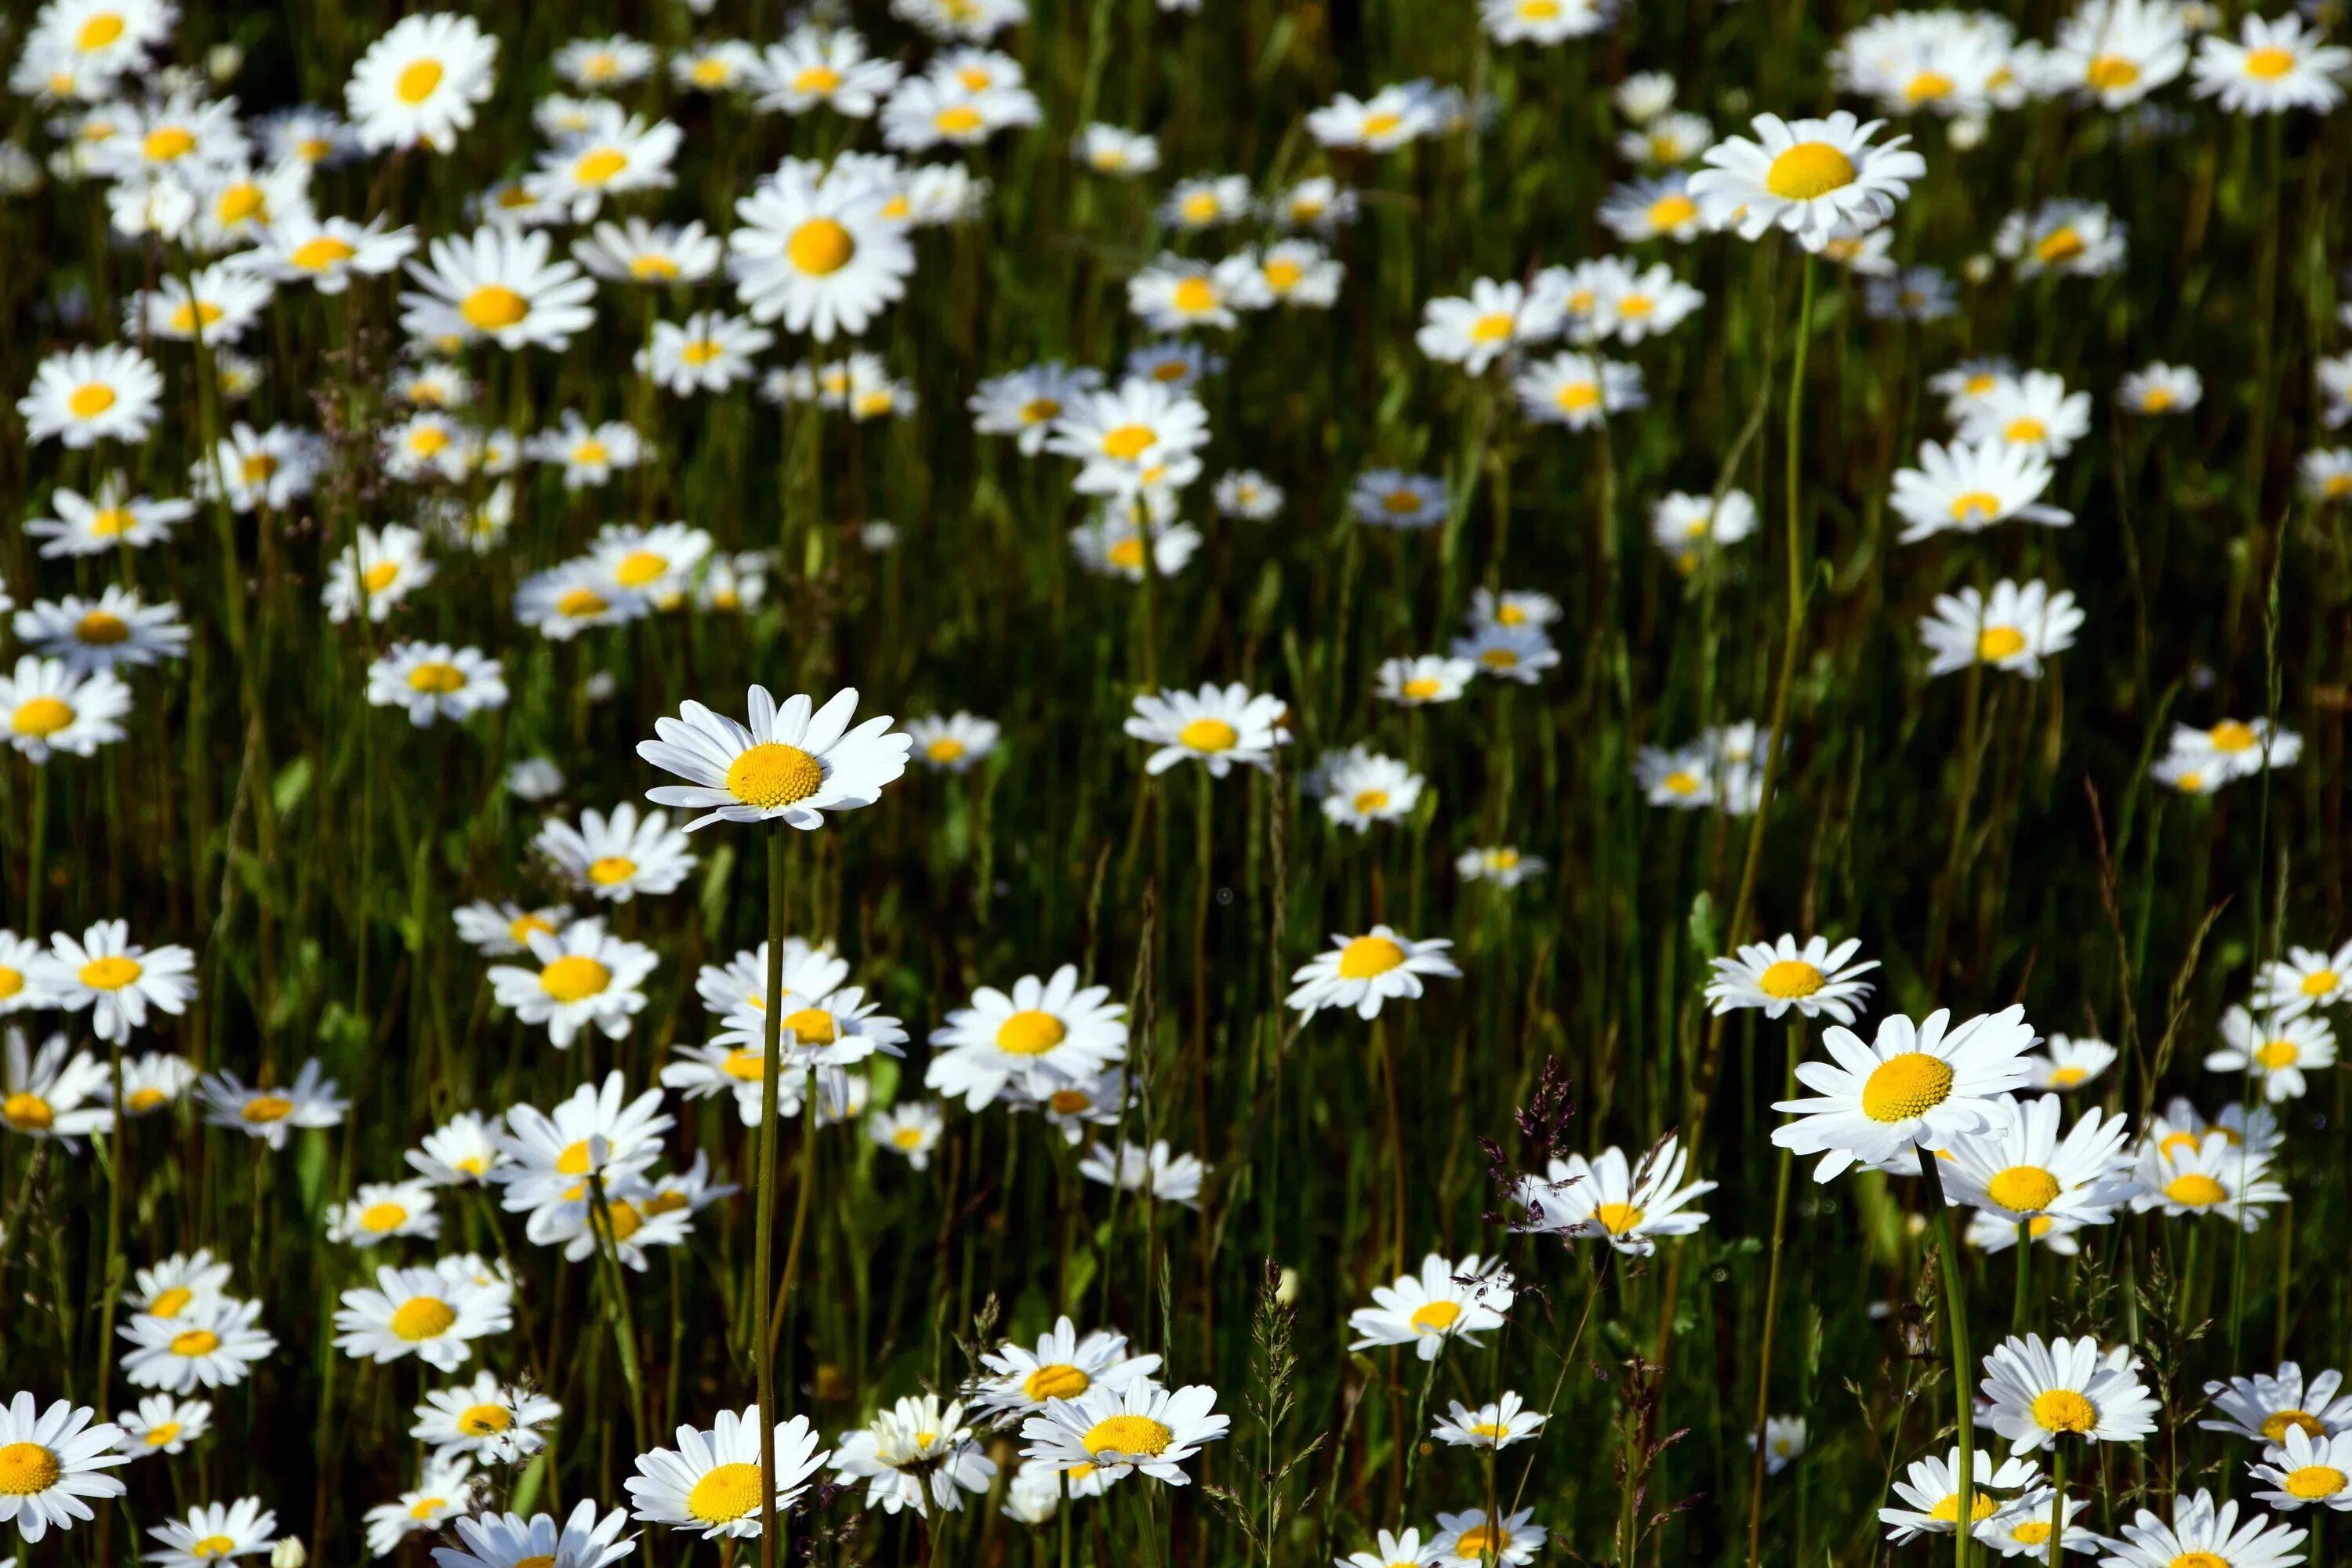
pixel 2275 1427
pixel 1366 956
pixel 2320 982
pixel 2269 63
pixel 649 268
pixel 2024 431
pixel 381 1218
pixel 1681 783
pixel 2276 1054
pixel 481 1420
pixel 1058 1381
pixel 1491 329
pixel 423 1318
pixel 2066 1078
pixel 1068 1101
pixel 1209 735
pixel 1195 296
pixel 820 247
pixel 817 79
pixel 27 1112
pixel 701 351
pixel 257 469
pixel 2195 1191
pixel 726 1493
pixel 810 1026
pixel 110 974
pixel 239 203
pixel 1127 1435
pixel 2156 400
pixel 1282 275
pixel 1672 211
pixel 114 522
pixel 771 775
pixel 163 1435
pixel 1538 10
pixel 1928 86
pixel 1030 1033
pixel 1808 170
pixel 573 1161
pixel 626 1220
pixel 1381 124
pixel 1499 659
pixel 1434 1317
pixel 1997 643
pixel 2063 1410
pixel 957 120
pixel 1422 688
pixel 12 980
pixel 492 307
pixel 417 81
pixel 1905 1086
pixel 166 143
pixel 574 977
pixel 2229 735
pixel 264 1109
pixel 2107 73
pixel 746 1067
pixel 2032 1533
pixel 907 1137
pixel 90 400
pixel 1976 506
pixel 213 1546
pixel 1371 800
pixel 1480 1541
pixel 438 677
pixel 1578 396
pixel 195 1342
pixel 1948 1507
pixel 946 749
pixel 598 167
pixel 591 452
pixel 2061 244
pixel 1129 442
pixel 2023 1189
pixel 611 868
pixel 1617 1219
pixel 428 440
pixel 1789 978
pixel 1199 207
pixel 2314 1481
pixel 98 32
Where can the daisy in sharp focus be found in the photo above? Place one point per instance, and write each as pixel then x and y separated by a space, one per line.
pixel 445 1488
pixel 823 256
pixel 2020 1170
pixel 792 763
pixel 421 82
pixel 1814 978
pixel 1931 1490
pixel 164 1425
pixel 1391 1550
pixel 2013 629
pixel 1054 1024
pixel 1968 486
pixel 1627 1203
pixel 2022 1528
pixel 509 1540
pixel 1362 972
pixel 50 1461
pixel 2266 1407
pixel 2305 1470
pixel 2214 1174
pixel 2202 1533
pixel 119 980
pixel 1920 1084
pixel 1495 1425
pixel 2039 1392
pixel 579 977
pixel 1019 1380
pixel 429 1313
pixel 1116 1432
pixel 2277 1054
pixel 210 1344
pixel 213 1532
pixel 85 395
pixel 710 1481
pixel 591 1131
pixel 1806 177
pixel 1444 1301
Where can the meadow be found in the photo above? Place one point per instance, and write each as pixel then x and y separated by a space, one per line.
pixel 1227 782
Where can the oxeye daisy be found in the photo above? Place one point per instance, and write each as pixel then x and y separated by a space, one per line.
pixel 1019 1380
pixel 579 977
pixel 429 1313
pixel 163 1425
pixel 2013 629
pixel 655 564
pixel 1025 404
pixel 30 978
pixel 1206 202
pixel 270 1112
pixel 1496 318
pixel 1814 978
pixel 953 745
pixel 1473 1536
pixel 379 569
pixel 1386 498
pixel 509 1540
pixel 1520 654
pixel 2234 748
pixel 1784 1442
pixel 1054 1024
pixel 614 154
pixel 1806 177
pixel 2033 411
pixel 119 980
pixel 1420 681
pixel 1115 543
pixel 2039 1392
pixel 1443 1301
pixel 1111 150
pixel 421 82
pixel 2066 1064
pixel 1578 390
pixel 459 1153
pixel 50 1461
pixel 1361 788
pixel 634 251
pixel 51 1094
pixel 1930 1490
pixel 942 108
pixel 1169 1177
pixel 1116 1432
pixel 709 351
pixel 2117 51
pixel 435 681
pixel 1495 1425
pixel 2306 978
pixel 2324 474
pixel 1970 486
pixel 617 857
pixel 1502 865
pixel 2071 238
pixel 1631 305
pixel 1140 432
pixel 499 285
pixel 381 1210
pixel 502 929
pixel 105 522
pixel 1390 119
pixel 915 1455
pixel 222 306
pixel 214 1532
pixel 214 1343
pixel 710 1481
pixel 179 1282
pixel 1299 272
pixel 1217 727
pixel 1919 1084
pixel 591 1131
pixel 1627 1203
pixel 2305 1470
pixel 911 1129
pixel 1391 1549
pixel 1364 972
pixel 817 68
pixel 2277 1053
pixel 599 64
pixel 2270 68
pixel 2202 1532
pixel 2023 1527
pixel 792 763
pixel 2265 1407
pixel 588 454
pixel 1659 208
pixel 823 256
pixel 2019 1169
pixel 84 396
pixel 1174 295
pixel 2161 388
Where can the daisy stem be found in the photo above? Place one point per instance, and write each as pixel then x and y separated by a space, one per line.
pixel 624 1323
pixel 2024 1276
pixel 40 826
pixel 2057 1500
pixel 1956 1313
pixel 763 1339
pixel 1786 1162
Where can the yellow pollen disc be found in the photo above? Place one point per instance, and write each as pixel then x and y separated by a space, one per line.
pixel 1434 1317
pixel 1789 979
pixel 163 1435
pixel 2175 1144
pixel 428 1508
pixel 2320 982
pixel 820 247
pixel 12 980
pixel 166 143
pixel 1538 10
pixel 1283 275
pixel 2275 1427
pixel 665 1203
pixel 1129 442
pixel 428 440
pixel 1635 305
pixel 1977 505
pixel 1997 643
pixel 2063 1410
pixel 213 1546
pixel 1617 1219
pixel 2023 1189
pixel 435 675
pixel 771 775
pixel 1127 1435
pixel 1400 502
pixel 1808 170
pixel 195 1342
pixel 650 268
pixel 2195 1191
pixel 264 1109
pixel 2335 487
pixel 1381 125
pixel 2313 1481
pixel 592 452
pixel 1199 207
pixel 98 32
pixel 1493 1430
pixel 1059 1381
pixel 1030 1033
pixel 110 974
pixel 114 522
pixel 1905 1086
pixel 1371 800
pixel 2229 735
pixel 2059 245
pixel 90 400
pixel 1068 1101
pixel 611 868
pixel 573 1161
pixel 1672 212
pixel 2276 1054
pixel 598 167
pixel 2025 431
pixel 1681 783
pixel 2066 1078
pixel 2270 63
pixel 907 1137
pixel 27 1112
pixel 257 469
pixel 957 120
pixel 382 1217
pixel 1420 689
pixel 574 977
pixel 600 67
pixel 701 351
pixel 1499 659
pixel 423 1318
pixel 816 79
pixel 710 73
pixel 1490 329
pixel 946 749
pixel 626 1220
pixel 1038 410
pixel 1195 296
pixel 2032 1533
pixel 518 930
pixel 417 81
pixel 1209 735
pixel 638 567
pixel 1366 956
pixel 1578 396
pixel 2107 73
pixel 471 1165
pixel 726 1493
pixel 1948 1507
pixel 2156 400
pixel 1928 86
pixel 812 1027
pixel 1479 1541
pixel 745 1066
pixel 493 306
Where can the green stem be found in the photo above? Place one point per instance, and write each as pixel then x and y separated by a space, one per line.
pixel 1956 1314
pixel 763 1248
pixel 2057 1500
pixel 2024 1276
pixel 1787 1164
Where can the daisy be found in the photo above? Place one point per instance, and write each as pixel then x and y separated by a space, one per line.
pixel 915 1455
pixel 1519 654
pixel 2033 411
pixel 1365 972
pixel 428 445
pixel 2072 238
pixel 1173 294
pixel 2234 748
pixel 807 972
pixel 2201 1532
pixel 272 467
pixel 599 65
pixel 2270 68
pixel 1117 1431
pixel 2181 1128
pixel 1364 788
pixel 819 68
pixel 179 1282
pixel 1916 1084
pixel 1443 1302
pixel 164 1425
pixel 2266 1407
pixel 222 306
pixel 1625 1202
pixel 588 454
pixel 1814 978
pixel 1931 1491
pixel 1502 865
pixel 29 980
pixel 1784 1442
pixel 1915 294
pixel 1495 1425
pixel 509 1540
pixel 1631 305
pixel 2307 1469
pixel 1168 1178
pixel 104 38
pixel 615 154
pixel 426 1313
pixel 378 570
pixel 446 1489
pixel 710 1481
pixel 1113 545
pixel 2018 1169
pixel 1970 486
pixel 592 1130
pixel 2161 388
pixel 937 108
pixel 1299 272
pixel 1806 177
pixel 580 977
pixel 952 745
pixel 2306 978
pixel 1496 319
pixel 2066 1064
pixel 2324 474
pixel 1431 678
pixel 51 1095
pixel 709 351
pixel 824 256
pixel 1914 63
pixel 84 396
pixel 1386 498
pixel 2276 1055
pixel 1390 1551
pixel 461 1151
pixel 1215 727
pixel 715 66
pixel 1055 1025
pixel 49 1461
pixel 1109 150
pixel 1320 203
pixel 214 1343
pixel 2014 630
pixel 435 681
pixel 792 763
pixel 421 81
pixel 1861 251
pixel 1201 203
pixel 1390 119
pixel 2023 1527
pixel 173 142
pixel 499 285
pixel 214 1532
pixel 654 565
pixel 1021 1381
pixel 2117 51
pixel 1578 390
pixel 1025 404
pixel 1654 209
pixel 381 1210
pixel 1471 1536
pixel 119 979
pixel 2041 1391
pixel 635 251
pixel 106 522
pixel 618 856
pixel 1141 433
pixel 269 1113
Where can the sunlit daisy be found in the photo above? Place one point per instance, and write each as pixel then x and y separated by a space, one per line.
pixel 2201 1532
pixel 2270 68
pixel 2265 1407
pixel 375 571
pixel 2277 1053
pixel 270 1111
pixel 431 1314
pixel 435 681
pixel 1806 177
pixel 215 1532
pixel 617 857
pixel 710 1482
pixel 1626 1203
pixel 1430 678
pixel 1473 1536
pixel 579 977
pixel 84 396
pixel 1814 978
pixel 509 1540
pixel 1930 1490
pixel 1970 486
pixel 212 1344
pixel 1921 1083
pixel 163 1425
pixel 2305 1470
pixel 1118 1431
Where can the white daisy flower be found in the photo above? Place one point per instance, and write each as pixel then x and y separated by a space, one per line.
pixel 1578 390
pixel 2234 748
pixel 617 857
pixel 179 1282
pixel 2161 388
pixel 1444 1301
pixel 1520 654
pixel 447 1488
pixel 1814 978
pixel 1931 1492
pixel 1054 1024
pixel 1430 678
pixel 1364 972
pixel 792 763
pixel 84 396
pixel 105 522
pixel 591 1131
pixel 2270 68
pixel 378 571
pixel 580 977
pixel 2065 1063
pixel 2033 411
pixel 599 65
pixel 1110 150
pixel 163 1425
pixel 499 285
pixel 2198 1530
pixel 430 1313
pixel 2022 1528
pixel 638 252
pixel 1394 1550
pixel 1496 319
pixel 459 1153
pixel 911 1127
pixel 915 1455
pixel 1471 1536
pixel 1627 1203
pixel 214 1343
pixel 2306 978
pixel 1968 486
pixel 435 681
pixel 2266 1407
pixel 1217 727
pixel 54 1095
pixel 153 1079
pixel 821 67
pixel 1020 1380
pixel 1361 788
pixel 1141 433
pixel 2019 1170
pixel 509 1540
pixel 2014 629
pixel 421 82
pixel 1170 1178
pixel 49 1462
pixel 213 1532
pixel 2116 51
pixel 2277 1054
pixel 1494 1426
pixel 1806 177
pixel 269 1113
pixel 119 980
pixel 2039 1392
pixel 2305 1470
pixel 710 1481
pixel 953 745
pixel 709 351
pixel 1919 1084
pixel 1502 865
pixel 1116 1432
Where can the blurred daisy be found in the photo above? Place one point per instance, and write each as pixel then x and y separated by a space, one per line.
pixel 1495 1425
pixel 941 108
pixel 614 154
pixel 378 571
pixel 1814 978
pixel 952 745
pixel 461 1151
pixel 1116 1432
pixel 2270 68
pixel 2306 978
pixel 1299 272
pixel 1519 654
pixel 2116 51
pixel 435 681
pixel 270 1112
pixel 1113 545
pixel 2074 239
pixel 119 980
pixel 1109 150
pixel 443 1490
pixel 1806 177
pixel 2023 1527
pixel 222 306
pixel 634 251
pixel 180 1281
pixel 1363 788
pixel 2034 412
pixel 1169 1177
pixel 381 1210
pixel 164 1425
pixel 1578 390
pixel 1502 865
pixel 1784 1442
pixel 599 65
pixel 421 82
pixel 1364 972
pixel 710 1482
pixel 820 67
pixel 1917 1083
pixel 499 284
pixel 1659 208
pixel 105 522
pixel 1205 203
pixel 509 1540
pixel 1970 486
pixel 2322 476
pixel 1431 678
pixel 84 396
pixel 2066 1064
pixel 588 454
pixel 1496 318
pixel 709 351
pixel 1141 432
pixel 2234 748
pixel 714 66
pixel 2276 1055
pixel 1392 1551
pixel 1025 404
pixel 214 1532
pixel 2161 388
pixel 1390 119
pixel 617 857
pixel 1320 203
pixel 1631 306
pixel 1385 497
pixel 823 256
pixel 2014 630
pixel 911 1127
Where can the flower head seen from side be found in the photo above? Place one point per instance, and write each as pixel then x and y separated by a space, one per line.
pixel 2042 1392
pixel 1783 1444
pixel 381 1211
pixel 1473 1536
pixel 52 1094
pixel 511 1540
pixel 444 1487
pixel 617 857
pixel 1169 1177
pixel 210 1344
pixel 2023 1527
pixel 1363 973
pixel 1813 977
pixel 1018 1380
pixel 163 1425
pixel 1443 1301
pixel 710 1481
pixel 2213 1175
pixel 2267 1405
pixel 1930 1491
pixel 1629 1203
pixel 50 1461
pixel 1922 1084
pixel 1429 678
pixel 1116 1433
pixel 1497 1424
pixel 791 764
pixel 1502 865
pixel 271 1111
pixel 2063 1064
pixel 2202 1532
pixel 1806 177
pixel 213 1532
